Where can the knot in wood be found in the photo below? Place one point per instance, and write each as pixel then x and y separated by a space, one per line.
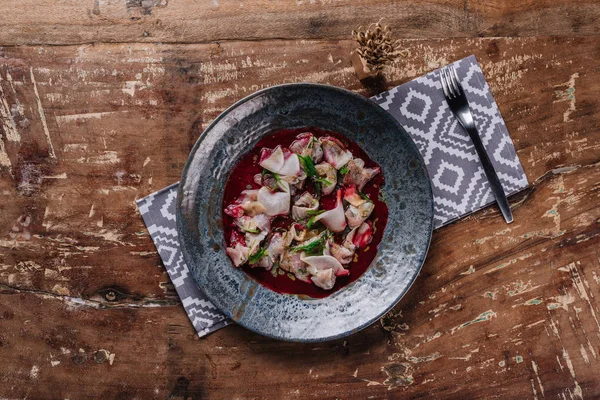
pixel 110 295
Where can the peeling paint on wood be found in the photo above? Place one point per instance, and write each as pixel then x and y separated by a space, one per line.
pixel 496 307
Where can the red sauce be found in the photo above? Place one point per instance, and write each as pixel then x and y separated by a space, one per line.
pixel 242 178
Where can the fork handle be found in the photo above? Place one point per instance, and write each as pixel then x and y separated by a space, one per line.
pixel 491 175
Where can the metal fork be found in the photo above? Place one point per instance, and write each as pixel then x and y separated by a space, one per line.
pixel 455 96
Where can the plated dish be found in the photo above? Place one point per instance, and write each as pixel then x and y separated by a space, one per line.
pixel 278 306
pixel 303 212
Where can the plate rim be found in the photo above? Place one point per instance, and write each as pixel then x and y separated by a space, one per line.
pixel 179 222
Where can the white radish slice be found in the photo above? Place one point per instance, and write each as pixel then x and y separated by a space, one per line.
pixel 249 195
pixel 334 219
pixel 275 203
pixel 272 161
pixel 291 166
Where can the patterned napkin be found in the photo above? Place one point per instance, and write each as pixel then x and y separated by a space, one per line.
pixel 459 183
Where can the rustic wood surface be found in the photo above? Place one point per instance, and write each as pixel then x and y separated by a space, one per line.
pixel 100 103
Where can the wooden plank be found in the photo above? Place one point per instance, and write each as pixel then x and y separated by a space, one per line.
pixel 512 314
pixel 88 129
pixel 122 119
pixel 191 21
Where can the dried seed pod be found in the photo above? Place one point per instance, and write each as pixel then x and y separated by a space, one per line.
pixel 375 45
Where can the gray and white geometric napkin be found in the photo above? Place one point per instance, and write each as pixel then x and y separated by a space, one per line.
pixel 158 212
pixel 458 181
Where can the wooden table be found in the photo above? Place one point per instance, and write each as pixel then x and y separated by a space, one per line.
pixel 100 103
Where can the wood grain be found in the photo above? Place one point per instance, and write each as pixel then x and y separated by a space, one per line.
pixel 100 103
pixel 191 21
pixel 87 310
pixel 510 314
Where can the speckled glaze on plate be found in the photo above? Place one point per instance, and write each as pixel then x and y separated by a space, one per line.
pixel 402 250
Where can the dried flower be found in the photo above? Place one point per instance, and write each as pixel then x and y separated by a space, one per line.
pixel 376 45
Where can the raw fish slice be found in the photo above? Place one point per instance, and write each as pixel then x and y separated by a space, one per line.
pixel 291 262
pixel 274 251
pixel 307 145
pixel 357 173
pixel 238 254
pixel 320 263
pixel 335 152
pixel 352 196
pixel 305 203
pixel 357 215
pixel 327 172
pixel 342 254
pixel 324 279
pixel 359 237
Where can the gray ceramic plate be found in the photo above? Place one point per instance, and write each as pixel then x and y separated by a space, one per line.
pixel 405 241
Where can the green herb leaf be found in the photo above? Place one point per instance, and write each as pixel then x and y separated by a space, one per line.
pixel 344 170
pixel 308 166
pixel 311 221
pixel 317 187
pixel 254 258
pixel 255 230
pixel 315 247
pixel 323 181
pixel 311 172
pixel 314 212
pixel 278 180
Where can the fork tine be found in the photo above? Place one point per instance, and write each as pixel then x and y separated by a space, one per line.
pixel 453 82
pixel 448 80
pixel 444 84
pixel 460 89
pixel 449 83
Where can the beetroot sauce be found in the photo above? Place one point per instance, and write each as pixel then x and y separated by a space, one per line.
pixel 242 178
